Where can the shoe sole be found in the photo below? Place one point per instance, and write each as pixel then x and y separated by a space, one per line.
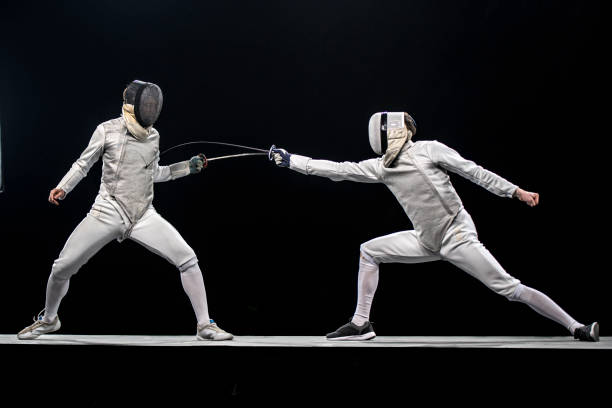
pixel 223 339
pixel 366 336
pixel 29 337
pixel 595 331
pixel 32 336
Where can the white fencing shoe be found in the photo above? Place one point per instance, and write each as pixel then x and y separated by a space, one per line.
pixel 213 332
pixel 39 327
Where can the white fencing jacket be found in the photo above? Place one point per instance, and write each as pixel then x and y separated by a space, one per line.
pixel 127 181
pixel 419 180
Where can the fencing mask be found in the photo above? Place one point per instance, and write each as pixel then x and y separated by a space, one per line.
pixel 389 131
pixel 147 99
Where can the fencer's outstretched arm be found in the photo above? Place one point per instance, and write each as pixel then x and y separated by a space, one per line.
pixel 80 168
pixel 366 171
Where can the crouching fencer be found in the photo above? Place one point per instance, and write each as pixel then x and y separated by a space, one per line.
pixel 417 174
pixel 129 147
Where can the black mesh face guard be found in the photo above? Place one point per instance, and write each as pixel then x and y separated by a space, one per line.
pixel 147 99
pixel 383 132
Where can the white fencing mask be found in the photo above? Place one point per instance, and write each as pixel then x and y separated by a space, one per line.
pixel 388 132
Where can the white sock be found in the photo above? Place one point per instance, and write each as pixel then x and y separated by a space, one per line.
pixel 367 282
pixel 56 290
pixel 193 283
pixel 544 306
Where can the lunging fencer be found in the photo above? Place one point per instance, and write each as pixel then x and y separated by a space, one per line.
pixel 123 209
pixel 417 174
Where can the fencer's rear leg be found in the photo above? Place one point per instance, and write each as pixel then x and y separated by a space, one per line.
pixel 472 257
pixel 84 242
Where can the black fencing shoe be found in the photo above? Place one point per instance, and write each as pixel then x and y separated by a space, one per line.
pixel 587 333
pixel 351 331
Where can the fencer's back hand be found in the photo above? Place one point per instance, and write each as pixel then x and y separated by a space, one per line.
pixel 197 163
pixel 531 199
pixel 281 157
pixel 55 195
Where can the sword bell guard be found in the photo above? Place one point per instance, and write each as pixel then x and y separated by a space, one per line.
pixel 270 152
pixel 205 160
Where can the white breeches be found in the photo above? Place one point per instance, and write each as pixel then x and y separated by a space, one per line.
pixel 103 224
pixel 460 247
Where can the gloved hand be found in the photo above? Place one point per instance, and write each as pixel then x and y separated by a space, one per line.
pixel 281 157
pixel 197 163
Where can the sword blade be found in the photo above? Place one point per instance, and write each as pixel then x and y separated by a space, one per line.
pixel 231 156
pixel 263 151
pixel 215 143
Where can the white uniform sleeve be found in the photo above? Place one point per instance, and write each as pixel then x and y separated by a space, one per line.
pixel 161 173
pixel 81 167
pixel 366 171
pixel 450 160
pixel 171 172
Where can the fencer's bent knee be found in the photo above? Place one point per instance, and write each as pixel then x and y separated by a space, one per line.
pixel 65 266
pixel 183 258
pixel 365 254
pixel 186 265
pixel 59 276
pixel 367 258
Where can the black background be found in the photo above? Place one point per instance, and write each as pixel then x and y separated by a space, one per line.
pixel 520 87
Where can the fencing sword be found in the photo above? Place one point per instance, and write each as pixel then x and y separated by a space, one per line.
pixel 231 156
pixel 260 152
